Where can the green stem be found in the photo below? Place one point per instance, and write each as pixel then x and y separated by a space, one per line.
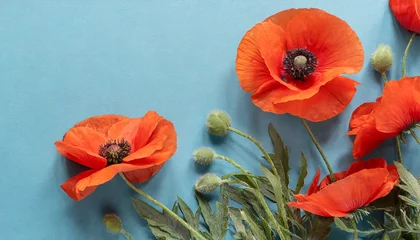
pixel 126 234
pixel 355 234
pixel 258 144
pixel 398 145
pixel 318 146
pixel 260 197
pixel 404 62
pixel 231 161
pixel 384 79
pixel 413 133
pixel 163 207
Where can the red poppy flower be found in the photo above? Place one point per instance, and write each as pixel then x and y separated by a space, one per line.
pixel 291 63
pixel 361 184
pixel 396 111
pixel 111 144
pixel 407 13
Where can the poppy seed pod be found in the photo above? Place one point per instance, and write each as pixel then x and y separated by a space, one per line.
pixel 204 156
pixel 113 223
pixel 208 183
pixel 218 123
pixel 382 58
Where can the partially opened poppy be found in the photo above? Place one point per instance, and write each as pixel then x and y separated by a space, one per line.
pixel 360 185
pixel 291 63
pixel 407 13
pixel 397 111
pixel 111 144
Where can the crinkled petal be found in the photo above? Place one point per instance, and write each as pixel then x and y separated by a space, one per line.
pixel 101 123
pixel 407 12
pixel 260 56
pixel 332 40
pixel 143 175
pixel 330 101
pixel 400 106
pixel 81 156
pixel 72 189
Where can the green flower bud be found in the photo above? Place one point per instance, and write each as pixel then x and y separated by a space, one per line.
pixel 382 58
pixel 208 183
pixel 218 123
pixel 204 155
pixel 113 223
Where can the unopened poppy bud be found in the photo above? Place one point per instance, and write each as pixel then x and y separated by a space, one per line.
pixel 204 155
pixel 218 123
pixel 113 223
pixel 382 58
pixel 207 183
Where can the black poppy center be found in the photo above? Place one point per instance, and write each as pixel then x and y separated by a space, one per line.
pixel 114 151
pixel 300 63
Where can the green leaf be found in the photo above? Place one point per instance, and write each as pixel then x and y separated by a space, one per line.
pixel 342 226
pixel 175 208
pixel 188 214
pixel 246 198
pixel 266 188
pixel 321 228
pixel 163 226
pixel 218 222
pixel 281 158
pixel 302 174
pixel 411 183
pixel 235 215
pixel 278 191
pixel 256 230
pixel 409 201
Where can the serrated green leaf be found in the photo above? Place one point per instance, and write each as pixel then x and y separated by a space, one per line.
pixel 411 183
pixel 409 201
pixel 278 192
pixel 246 198
pixel 256 230
pixel 266 188
pixel 161 224
pixel 217 222
pixel 302 173
pixel 385 237
pixel 281 158
pixel 175 208
pixel 342 226
pixel 189 216
pixel 235 215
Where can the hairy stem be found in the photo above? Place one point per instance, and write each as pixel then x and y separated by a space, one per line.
pixel 164 208
pixel 404 62
pixel 318 146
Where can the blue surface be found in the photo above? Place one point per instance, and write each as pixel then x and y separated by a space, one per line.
pixel 63 61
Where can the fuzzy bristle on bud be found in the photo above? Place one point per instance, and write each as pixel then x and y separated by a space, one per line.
pixel 204 156
pixel 382 58
pixel 207 183
pixel 218 123
pixel 113 223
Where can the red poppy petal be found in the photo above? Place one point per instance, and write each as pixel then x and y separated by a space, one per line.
pixel 334 43
pixel 407 13
pixel 327 179
pixel 143 175
pixel 85 138
pixel 101 123
pixel 400 106
pixel 283 18
pixel 71 186
pixel 260 56
pixel 351 192
pixel 136 130
pixel 364 109
pixel 314 185
pixel 330 101
pixel 162 145
pixel 106 174
pixel 81 156
pixel 367 139
pixel 317 209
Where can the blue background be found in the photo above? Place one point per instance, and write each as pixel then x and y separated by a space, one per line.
pixel 63 61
